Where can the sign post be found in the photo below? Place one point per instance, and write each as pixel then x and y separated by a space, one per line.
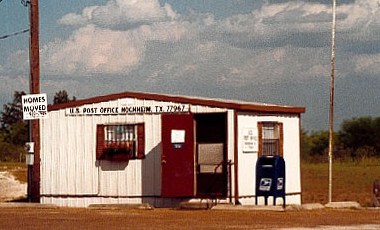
pixel 34 107
pixel 331 113
pixel 34 84
pixel 29 147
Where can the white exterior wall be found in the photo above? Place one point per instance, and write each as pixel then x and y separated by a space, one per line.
pixel 70 173
pixel 247 161
pixel 68 158
pixel 71 176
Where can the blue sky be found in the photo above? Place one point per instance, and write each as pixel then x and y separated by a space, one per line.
pixel 273 51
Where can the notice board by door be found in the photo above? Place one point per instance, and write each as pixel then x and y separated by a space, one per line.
pixel 177 157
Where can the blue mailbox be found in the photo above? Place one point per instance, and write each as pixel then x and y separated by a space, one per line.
pixel 270 178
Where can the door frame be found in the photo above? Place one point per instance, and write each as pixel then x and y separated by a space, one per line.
pixel 213 122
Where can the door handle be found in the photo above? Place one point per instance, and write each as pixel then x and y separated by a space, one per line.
pixel 163 162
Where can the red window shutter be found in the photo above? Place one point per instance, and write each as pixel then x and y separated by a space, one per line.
pixel 140 141
pixel 281 142
pixel 260 134
pixel 99 141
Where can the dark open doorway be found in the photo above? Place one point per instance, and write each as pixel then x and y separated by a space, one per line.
pixel 211 155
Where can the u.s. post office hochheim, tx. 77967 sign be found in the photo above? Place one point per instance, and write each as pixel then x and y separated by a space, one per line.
pixel 34 106
pixel 128 109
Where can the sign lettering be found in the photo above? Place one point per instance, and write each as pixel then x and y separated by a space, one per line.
pixel 129 109
pixel 34 106
pixel 250 140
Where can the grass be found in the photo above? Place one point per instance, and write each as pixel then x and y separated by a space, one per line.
pixel 352 181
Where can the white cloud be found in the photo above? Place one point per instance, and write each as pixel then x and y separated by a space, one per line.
pixel 145 42
pixel 360 15
pixel 90 50
pixel 113 39
pixel 97 50
pixel 368 64
pixel 122 14
pixel 78 19
pixel 274 19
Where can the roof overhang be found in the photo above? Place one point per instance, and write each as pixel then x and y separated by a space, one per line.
pixel 211 102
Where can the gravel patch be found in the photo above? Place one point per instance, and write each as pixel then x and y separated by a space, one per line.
pixel 10 188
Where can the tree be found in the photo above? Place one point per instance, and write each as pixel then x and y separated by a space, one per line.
pixel 305 150
pixel 319 142
pixel 315 145
pixel 360 134
pixel 13 130
pixel 62 97
pixel 12 112
pixel 376 127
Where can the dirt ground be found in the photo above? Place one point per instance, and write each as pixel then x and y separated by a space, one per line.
pixel 79 218
pixel 87 218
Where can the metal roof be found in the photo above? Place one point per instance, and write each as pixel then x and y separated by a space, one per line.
pixel 211 102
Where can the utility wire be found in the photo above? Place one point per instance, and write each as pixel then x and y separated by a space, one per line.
pixel 25 3
pixel 14 34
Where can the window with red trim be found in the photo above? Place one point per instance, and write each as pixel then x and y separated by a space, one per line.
pixel 270 138
pixel 120 142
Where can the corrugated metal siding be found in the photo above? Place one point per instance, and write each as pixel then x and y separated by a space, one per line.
pixel 69 167
pixel 247 161
pixel 68 159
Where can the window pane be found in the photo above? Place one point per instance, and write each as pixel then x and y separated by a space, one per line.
pixel 121 137
pixel 271 138
pixel 120 142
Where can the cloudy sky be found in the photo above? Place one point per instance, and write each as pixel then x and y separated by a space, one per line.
pixel 273 51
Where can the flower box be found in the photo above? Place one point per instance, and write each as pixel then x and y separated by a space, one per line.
pixel 116 154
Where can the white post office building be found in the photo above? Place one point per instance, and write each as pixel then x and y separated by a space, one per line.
pixel 135 147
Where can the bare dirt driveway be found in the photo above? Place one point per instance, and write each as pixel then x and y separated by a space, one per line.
pixel 80 218
pixel 36 217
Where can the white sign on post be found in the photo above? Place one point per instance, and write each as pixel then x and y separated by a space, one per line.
pixel 34 106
